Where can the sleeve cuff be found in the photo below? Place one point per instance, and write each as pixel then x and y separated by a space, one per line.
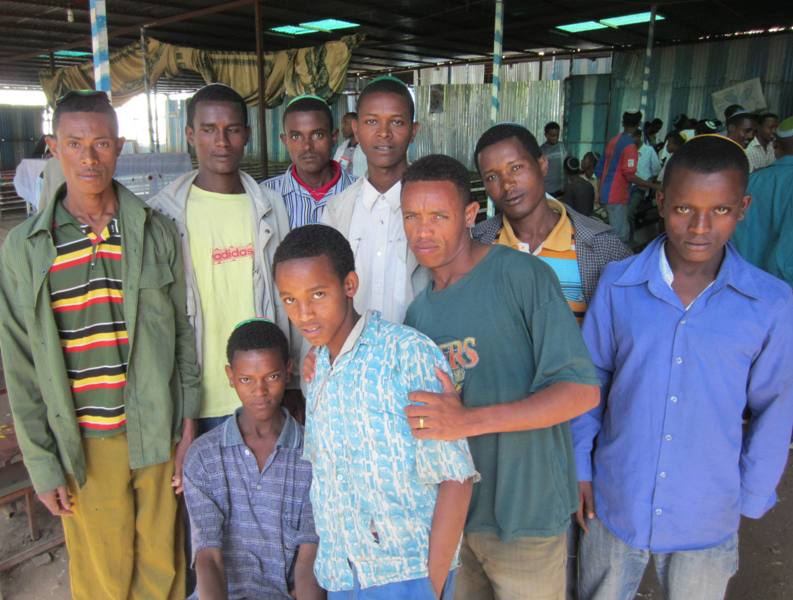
pixel 583 466
pixel 307 538
pixel 191 398
pixel 754 506
pixel 45 475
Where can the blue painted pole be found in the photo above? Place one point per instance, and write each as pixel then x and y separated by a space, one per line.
pixel 495 103
pixel 100 46
pixel 648 54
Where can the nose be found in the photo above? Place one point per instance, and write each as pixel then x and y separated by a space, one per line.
pixel 384 129
pixel 221 138
pixel 700 222
pixel 304 311
pixel 89 156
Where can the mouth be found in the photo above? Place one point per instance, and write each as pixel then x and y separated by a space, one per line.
pixel 310 331
pixel 384 149
pixel 90 174
pixel 513 200
pixel 309 158
pixel 424 248
pixel 697 246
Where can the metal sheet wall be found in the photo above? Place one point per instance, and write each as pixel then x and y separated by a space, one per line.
pixel 466 115
pixel 684 77
pixel 20 130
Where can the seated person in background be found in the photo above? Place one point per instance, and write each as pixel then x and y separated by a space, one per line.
pixel 578 192
pixel 313 177
pixel 555 152
pixel 349 153
pixel 588 164
pixel 247 485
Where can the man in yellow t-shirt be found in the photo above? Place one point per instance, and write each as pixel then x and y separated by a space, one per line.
pixel 230 228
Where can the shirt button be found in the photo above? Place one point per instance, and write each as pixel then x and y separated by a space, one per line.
pixel 662 474
pixel 668 437
pixel 258 487
pixel 379 253
pixel 659 512
pixel 679 360
pixel 673 398
pixel 340 477
pixel 247 453
pixel 683 322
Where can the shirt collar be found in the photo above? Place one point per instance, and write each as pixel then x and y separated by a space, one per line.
pixel 317 193
pixel 364 332
pixel 288 438
pixel 734 271
pixel 371 195
pixel 558 239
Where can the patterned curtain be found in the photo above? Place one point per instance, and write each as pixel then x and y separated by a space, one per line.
pixel 319 70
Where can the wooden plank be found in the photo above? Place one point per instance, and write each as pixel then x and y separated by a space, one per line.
pixel 20 557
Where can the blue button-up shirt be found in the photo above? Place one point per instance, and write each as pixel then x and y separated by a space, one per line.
pixel 375 485
pixel 672 468
pixel 300 205
pixel 258 519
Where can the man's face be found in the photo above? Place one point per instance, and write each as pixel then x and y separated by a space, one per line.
pixel 436 221
pixel 218 135
pixel 346 126
pixel 315 298
pixel 588 164
pixel 87 146
pixel 741 131
pixel 701 211
pixel 767 129
pixel 384 129
pixel 309 140
pixel 259 377
pixel 552 136
pixel 513 178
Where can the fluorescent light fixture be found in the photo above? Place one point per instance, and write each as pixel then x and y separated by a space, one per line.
pixel 610 22
pixel 630 19
pixel 329 25
pixel 323 26
pixel 292 30
pixel 583 26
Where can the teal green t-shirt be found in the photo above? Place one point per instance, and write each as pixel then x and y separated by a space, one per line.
pixel 507 332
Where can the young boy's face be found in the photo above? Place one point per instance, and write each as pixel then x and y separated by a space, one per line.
pixel 436 219
pixel 701 211
pixel 384 128
pixel 219 135
pixel 513 178
pixel 309 139
pixel 317 301
pixel 259 377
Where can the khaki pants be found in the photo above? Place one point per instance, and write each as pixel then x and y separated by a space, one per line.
pixel 124 540
pixel 528 568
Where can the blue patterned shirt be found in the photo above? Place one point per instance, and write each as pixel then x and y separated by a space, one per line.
pixel 257 518
pixel 300 206
pixel 375 485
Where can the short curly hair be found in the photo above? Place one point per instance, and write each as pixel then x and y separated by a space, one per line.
pixel 311 241
pixel 257 334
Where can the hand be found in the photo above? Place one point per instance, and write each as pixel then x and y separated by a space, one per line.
pixel 188 435
pixel 310 365
pixel 294 402
pixel 57 501
pixel 586 504
pixel 441 416
pixel 438 580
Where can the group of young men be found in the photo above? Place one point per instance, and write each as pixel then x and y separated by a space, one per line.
pixel 456 412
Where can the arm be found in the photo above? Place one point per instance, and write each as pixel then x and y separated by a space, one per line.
pixel 770 401
pixel 211 575
pixel 306 586
pixel 448 520
pixel 35 438
pixel 643 183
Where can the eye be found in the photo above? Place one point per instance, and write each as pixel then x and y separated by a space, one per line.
pixel 517 167
pixel 490 178
pixel 288 300
pixel 104 144
pixel 274 377
pixel 318 295
pixel 207 129
pixel 408 216
pixel 294 136
pixel 722 210
pixel 370 121
pixel 73 144
pixel 319 135
pixel 682 210
pixel 245 379
pixel 439 217
pixel 397 122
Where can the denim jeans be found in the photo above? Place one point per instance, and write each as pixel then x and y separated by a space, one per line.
pixel 412 589
pixel 618 219
pixel 609 569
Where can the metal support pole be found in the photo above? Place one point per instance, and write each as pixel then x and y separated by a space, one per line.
pixel 648 54
pixel 156 119
pixel 257 9
pixel 143 47
pixel 99 46
pixel 495 103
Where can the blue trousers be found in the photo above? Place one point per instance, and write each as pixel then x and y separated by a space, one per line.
pixel 412 589
pixel 609 569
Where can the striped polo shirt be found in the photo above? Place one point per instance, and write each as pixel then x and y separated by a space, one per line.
pixel 86 295
pixel 558 252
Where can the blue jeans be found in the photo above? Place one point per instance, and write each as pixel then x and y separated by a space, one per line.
pixel 609 569
pixel 207 424
pixel 412 589
pixel 618 219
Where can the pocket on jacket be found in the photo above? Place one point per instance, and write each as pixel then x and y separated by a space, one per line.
pixel 153 290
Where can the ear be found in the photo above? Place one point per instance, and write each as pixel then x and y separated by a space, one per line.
pixel 289 365
pixel 471 210
pixel 189 134
pixel 543 162
pixel 282 137
pixel 120 145
pixel 334 136
pixel 416 128
pixel 660 200
pixel 354 125
pixel 52 144
pixel 247 134
pixel 230 375
pixel 350 284
pixel 746 201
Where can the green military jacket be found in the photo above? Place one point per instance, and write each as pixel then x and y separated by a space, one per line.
pixel 163 379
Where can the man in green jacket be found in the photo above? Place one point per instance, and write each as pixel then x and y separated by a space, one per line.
pixel 100 364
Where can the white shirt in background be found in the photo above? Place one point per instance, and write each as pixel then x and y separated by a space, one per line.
pixel 759 157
